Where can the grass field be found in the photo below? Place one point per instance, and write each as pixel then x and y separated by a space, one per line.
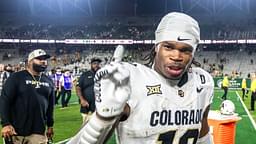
pixel 245 132
pixel 68 121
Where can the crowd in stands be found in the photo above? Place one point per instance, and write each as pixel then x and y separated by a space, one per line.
pixel 39 31
pixel 118 31
pixel 237 62
pixel 228 31
pixel 76 56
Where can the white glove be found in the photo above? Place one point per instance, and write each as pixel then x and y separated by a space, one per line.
pixel 112 88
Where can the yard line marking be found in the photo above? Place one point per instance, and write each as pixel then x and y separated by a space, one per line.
pixel 248 113
pixel 63 141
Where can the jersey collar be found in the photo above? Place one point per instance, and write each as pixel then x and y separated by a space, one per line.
pixel 183 80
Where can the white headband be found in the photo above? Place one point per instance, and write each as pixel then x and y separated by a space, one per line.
pixel 178 27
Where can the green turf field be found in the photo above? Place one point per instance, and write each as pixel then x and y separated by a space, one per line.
pixel 245 133
pixel 68 121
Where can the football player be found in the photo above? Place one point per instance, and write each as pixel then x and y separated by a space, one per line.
pixel 164 103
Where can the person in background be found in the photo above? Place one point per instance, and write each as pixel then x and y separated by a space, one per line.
pixel 5 72
pixel 244 88
pixel 51 74
pixel 65 87
pixel 27 103
pixel 58 74
pixel 9 68
pixel 225 85
pixel 2 77
pixel 253 90
pixel 84 89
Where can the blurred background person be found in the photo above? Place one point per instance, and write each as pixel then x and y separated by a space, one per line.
pixel 65 87
pixel 244 88
pixel 57 75
pixel 84 90
pixel 2 79
pixel 5 72
pixel 253 89
pixel 225 85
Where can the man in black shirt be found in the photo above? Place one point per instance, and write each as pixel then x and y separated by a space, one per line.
pixel 27 103
pixel 84 89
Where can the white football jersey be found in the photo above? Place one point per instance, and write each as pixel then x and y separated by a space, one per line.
pixel 165 114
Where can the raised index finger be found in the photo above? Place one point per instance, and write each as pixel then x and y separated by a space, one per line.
pixel 118 54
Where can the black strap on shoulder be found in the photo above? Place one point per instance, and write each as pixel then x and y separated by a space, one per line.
pixel 183 80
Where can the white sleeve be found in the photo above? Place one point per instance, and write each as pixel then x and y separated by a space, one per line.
pixel 93 132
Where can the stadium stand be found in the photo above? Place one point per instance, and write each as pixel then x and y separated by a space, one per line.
pixel 122 30
pixel 237 60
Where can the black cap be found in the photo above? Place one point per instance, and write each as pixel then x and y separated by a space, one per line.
pixel 96 60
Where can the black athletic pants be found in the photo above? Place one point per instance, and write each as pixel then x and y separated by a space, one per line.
pixel 253 98
pixel 224 97
pixel 64 99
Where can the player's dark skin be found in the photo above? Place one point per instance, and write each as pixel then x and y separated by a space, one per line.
pixel 176 56
pixel 171 61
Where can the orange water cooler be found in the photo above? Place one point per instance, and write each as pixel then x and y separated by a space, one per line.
pixel 223 128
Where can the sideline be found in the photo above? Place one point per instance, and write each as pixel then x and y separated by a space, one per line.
pixel 248 113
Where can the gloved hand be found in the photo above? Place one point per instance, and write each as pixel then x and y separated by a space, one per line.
pixel 112 87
